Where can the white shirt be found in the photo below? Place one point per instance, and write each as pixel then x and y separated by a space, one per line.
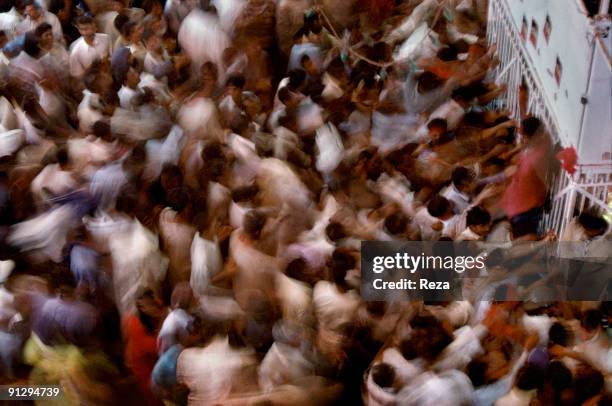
pixel 211 372
pixel 460 199
pixel 56 27
pixel 516 397
pixel 126 97
pixel 53 179
pixel 175 324
pixel 423 220
pixel 9 22
pixel 332 307
pixel 83 55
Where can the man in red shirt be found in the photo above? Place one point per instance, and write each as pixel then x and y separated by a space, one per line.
pixel 524 197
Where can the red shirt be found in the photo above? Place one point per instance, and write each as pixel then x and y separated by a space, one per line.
pixel 140 352
pixel 527 188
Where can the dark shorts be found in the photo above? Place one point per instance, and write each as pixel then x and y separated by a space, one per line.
pixel 527 222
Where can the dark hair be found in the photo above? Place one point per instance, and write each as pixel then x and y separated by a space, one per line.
pixel 476 371
pixel 296 78
pixel 120 21
pixel 474 118
pixel 85 19
pixel 212 150
pixel 396 223
pixel 178 199
pixel 593 222
pixel 244 193
pixel 254 221
pixel 383 375
pixel 296 269
pixel 62 156
pixel 559 376
pixel 462 176
pixel 171 170
pixel 42 28
pixel 439 123
pixel 591 320
pixel 437 206
pixel 558 334
pixel 531 125
pixel 100 128
pixel 305 58
pixel 128 28
pixel 408 349
pixel 428 81
pixel 235 80
pixel 448 53
pixel 376 307
pixel 529 377
pixel 589 382
pixel 477 216
pixel 30 44
pixel 284 95
pixel 340 263
pixel 335 231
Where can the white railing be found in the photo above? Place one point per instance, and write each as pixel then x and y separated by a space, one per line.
pixel 591 185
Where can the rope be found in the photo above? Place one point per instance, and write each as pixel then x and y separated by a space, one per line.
pixel 358 55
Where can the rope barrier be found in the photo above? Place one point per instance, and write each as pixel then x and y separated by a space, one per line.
pixel 358 55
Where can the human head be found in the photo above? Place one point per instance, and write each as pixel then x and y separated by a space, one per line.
pixel 62 157
pixel 286 97
pixel 593 224
pixel 309 66
pixel 254 222
pixel 171 177
pixel 559 376
pixel 251 103
pixel 209 72
pixel 558 335
pixel 476 371
pixel 152 41
pixel 478 220
pixel 339 263
pixel 530 126
pixel 31 44
pixel 178 199
pixel 335 231
pixel 462 179
pixel 383 375
pixel 396 223
pixel 529 377
pixel 439 207
pixel 45 34
pixel 588 382
pixel 590 323
pixel 448 53
pixel 87 27
pixel 32 9
pixel 132 78
pixel 437 127
pixel 428 81
pixel 245 193
pixel 132 31
pixel 296 79
pixel 235 85
pixel 182 296
pixel 102 129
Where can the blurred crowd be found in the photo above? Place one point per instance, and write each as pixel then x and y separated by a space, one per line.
pixel 184 186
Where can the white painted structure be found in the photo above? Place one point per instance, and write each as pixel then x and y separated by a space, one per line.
pixel 563 58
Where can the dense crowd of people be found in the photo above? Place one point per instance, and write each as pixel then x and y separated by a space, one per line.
pixel 184 187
